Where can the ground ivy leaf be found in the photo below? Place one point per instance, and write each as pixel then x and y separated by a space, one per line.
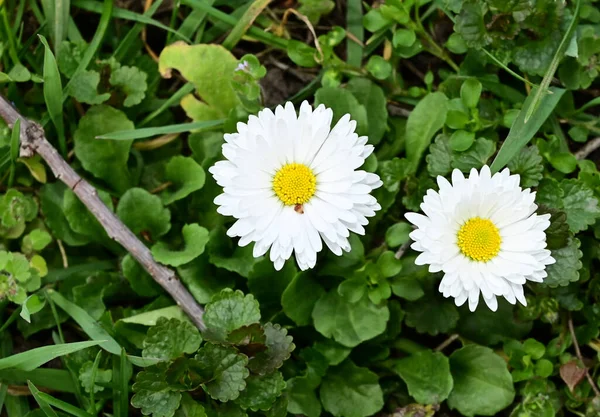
pixel 144 212
pixel 470 25
pixel 528 164
pixel 210 68
pixel 153 394
pixel 84 88
pixel 567 266
pixel 302 398
pixel 261 391
pixel 105 159
pixel 279 348
pixel 132 81
pixel 69 56
pixel 103 377
pixel 476 392
pixel 373 98
pixel 171 338
pixel 349 323
pixel 186 177
pixel 228 368
pixel 190 408
pixel 439 160
pixel 229 310
pixel 195 238
pixel 476 156
pixel 431 315
pixel 300 297
pixel 427 375
pixel 394 171
pixel 351 391
pixel 580 204
pixel 557 234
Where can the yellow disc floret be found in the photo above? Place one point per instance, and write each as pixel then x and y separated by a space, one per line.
pixel 479 239
pixel 294 184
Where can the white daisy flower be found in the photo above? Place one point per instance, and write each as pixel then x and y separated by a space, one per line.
pixel 483 233
pixel 292 182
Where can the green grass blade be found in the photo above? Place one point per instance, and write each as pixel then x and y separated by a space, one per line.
pixel 520 132
pixel 53 94
pixel 87 323
pixel 34 358
pixel 57 14
pixel 193 21
pixel 93 382
pixel 9 36
pixel 592 103
pixel 15 140
pixel 354 17
pixel 260 35
pixel 56 379
pixel 61 405
pixel 62 274
pixel 43 404
pixel 560 52
pixel 245 23
pixel 121 376
pixel 11 319
pixel 163 130
pixel 3 391
pixel 124 50
pixel 97 7
pixel 16 406
pixel 186 89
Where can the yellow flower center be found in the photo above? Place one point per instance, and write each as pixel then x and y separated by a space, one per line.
pixel 294 184
pixel 479 239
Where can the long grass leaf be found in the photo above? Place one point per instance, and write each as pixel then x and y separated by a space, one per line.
pixel 97 7
pixel 53 94
pixel 43 404
pixel 93 381
pixel 34 358
pixel 3 390
pixel 61 274
pixel 186 89
pixel 123 51
pixel 245 23
pixel 520 132
pixel 56 379
pixel 354 18
pixel 163 130
pixel 87 323
pixel 120 382
pixel 61 405
pixel 560 52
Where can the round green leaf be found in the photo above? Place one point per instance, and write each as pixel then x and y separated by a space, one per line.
pixel 144 212
pixel 195 239
pixel 186 177
pixel 427 375
pixel 461 140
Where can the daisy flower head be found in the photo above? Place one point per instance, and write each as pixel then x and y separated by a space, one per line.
pixel 483 233
pixel 292 182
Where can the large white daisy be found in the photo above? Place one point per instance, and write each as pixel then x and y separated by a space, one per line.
pixel 292 182
pixel 483 233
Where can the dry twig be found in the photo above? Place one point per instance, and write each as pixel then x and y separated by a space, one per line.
pixel 589 147
pixel 578 353
pixel 33 141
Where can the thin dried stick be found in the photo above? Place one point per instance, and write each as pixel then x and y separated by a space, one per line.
pixel 578 353
pixel 402 249
pixel 589 147
pixel 33 141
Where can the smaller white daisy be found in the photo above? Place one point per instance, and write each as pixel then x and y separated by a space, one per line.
pixel 292 182
pixel 483 233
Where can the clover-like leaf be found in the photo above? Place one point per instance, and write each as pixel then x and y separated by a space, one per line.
pixel 105 159
pixel 195 238
pixel 431 315
pixel 567 265
pixel 228 369
pixel 427 376
pixel 229 310
pixel 132 81
pixel 153 394
pixel 210 68
pixel 439 159
pixel 169 339
pixel 279 348
pixel 261 391
pixel 528 164
pixel 351 391
pixel 185 175
pixel 476 392
pixel 144 212
pixel 103 377
pixel 15 210
pixel 35 241
pixel 349 323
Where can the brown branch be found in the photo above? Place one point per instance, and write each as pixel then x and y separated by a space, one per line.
pixel 589 147
pixel 33 141
pixel 402 249
pixel 578 353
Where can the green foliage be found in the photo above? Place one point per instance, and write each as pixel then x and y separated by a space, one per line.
pixel 194 237
pixel 169 339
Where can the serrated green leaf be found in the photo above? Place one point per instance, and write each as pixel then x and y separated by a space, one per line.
pixel 439 159
pixel 476 392
pixel 195 238
pixel 351 391
pixel 349 323
pixel 153 394
pixel 190 408
pixel 427 375
pixel 228 369
pixel 431 315
pixel 528 164
pixel 476 156
pixel 580 204
pixel 279 348
pixel 169 339
pixel 105 159
pixel 567 266
pixel 261 391
pixel 186 177
pixel 144 212
pixel 229 310
pixel 103 377
pixel 132 81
